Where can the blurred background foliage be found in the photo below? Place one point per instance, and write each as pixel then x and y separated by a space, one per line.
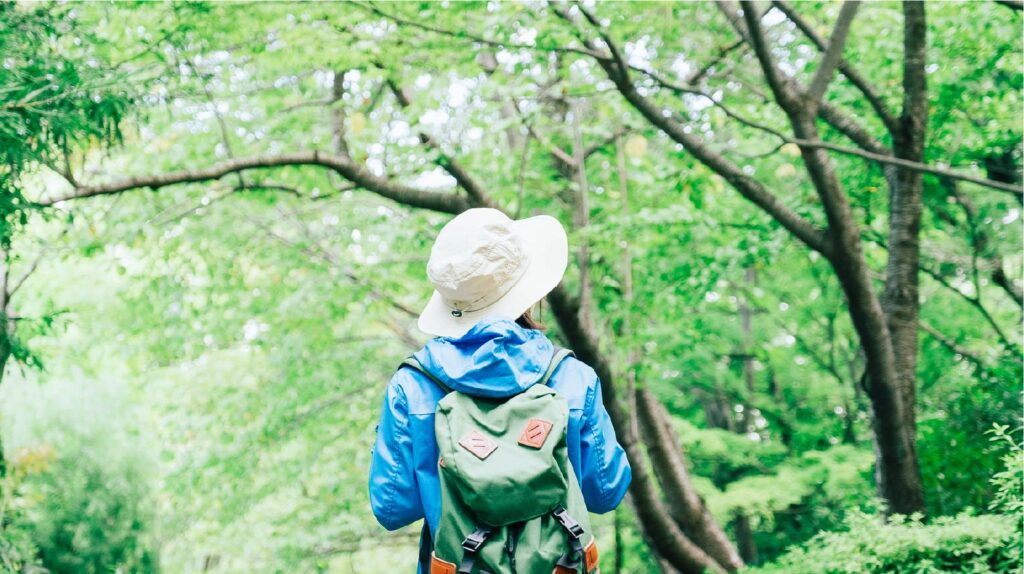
pixel 197 369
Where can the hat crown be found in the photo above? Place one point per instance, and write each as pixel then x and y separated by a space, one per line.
pixel 476 259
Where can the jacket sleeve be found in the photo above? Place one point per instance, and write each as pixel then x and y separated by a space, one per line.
pixel 394 494
pixel 606 471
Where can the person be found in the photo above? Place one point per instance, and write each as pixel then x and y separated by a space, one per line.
pixel 487 271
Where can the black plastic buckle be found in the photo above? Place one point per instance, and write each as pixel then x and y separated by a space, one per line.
pixel 567 522
pixel 476 540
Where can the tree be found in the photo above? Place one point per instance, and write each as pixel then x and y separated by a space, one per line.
pixel 676 520
pixel 54 99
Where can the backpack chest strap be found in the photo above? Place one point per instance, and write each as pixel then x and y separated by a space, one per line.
pixel 471 547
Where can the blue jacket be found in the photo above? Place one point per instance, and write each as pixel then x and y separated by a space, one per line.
pixel 496 358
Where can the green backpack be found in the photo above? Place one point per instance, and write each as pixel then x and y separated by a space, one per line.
pixel 510 502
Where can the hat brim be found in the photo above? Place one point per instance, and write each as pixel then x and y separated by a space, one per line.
pixel 545 242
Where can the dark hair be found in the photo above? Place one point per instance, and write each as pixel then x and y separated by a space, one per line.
pixel 527 321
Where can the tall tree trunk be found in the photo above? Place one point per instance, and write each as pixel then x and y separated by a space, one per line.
pixel 897 472
pixel 6 339
pixel 900 483
pixel 741 522
pixel 5 355
pixel 664 529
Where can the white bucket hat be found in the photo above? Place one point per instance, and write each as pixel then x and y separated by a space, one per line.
pixel 484 263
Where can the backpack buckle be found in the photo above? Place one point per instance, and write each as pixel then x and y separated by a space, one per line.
pixel 571 526
pixel 476 540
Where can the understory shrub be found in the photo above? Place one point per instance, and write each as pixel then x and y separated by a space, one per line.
pixel 976 544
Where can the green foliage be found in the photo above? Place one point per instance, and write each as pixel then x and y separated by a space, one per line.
pixel 837 476
pixel 989 543
pixel 975 544
pixel 254 319
pixel 80 492
pixel 55 95
pixel 17 553
pixel 1009 499
pixel 87 517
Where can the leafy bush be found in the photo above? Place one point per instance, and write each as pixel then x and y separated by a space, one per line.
pixel 17 554
pixel 1008 496
pixel 86 518
pixel 976 544
pixel 78 487
pixel 990 543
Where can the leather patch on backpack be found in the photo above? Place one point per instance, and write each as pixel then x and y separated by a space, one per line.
pixel 590 556
pixel 438 566
pixel 535 433
pixel 478 444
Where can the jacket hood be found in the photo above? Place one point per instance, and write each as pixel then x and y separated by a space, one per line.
pixel 496 358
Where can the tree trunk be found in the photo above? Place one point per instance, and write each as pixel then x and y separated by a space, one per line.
pixel 684 504
pixel 6 341
pixel 745 538
pixel 666 538
pixel 900 484
pixel 897 472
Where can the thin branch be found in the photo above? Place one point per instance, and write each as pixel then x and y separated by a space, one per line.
pixel 17 283
pixel 833 55
pixel 979 243
pixel 975 302
pixel 464 35
pixel 882 158
pixel 345 167
pixel 558 153
pixel 207 201
pixel 467 182
pixel 845 67
pixel 608 140
pixel 1016 190
pixel 706 69
pixel 952 345
pixel 317 251
pixel 784 91
pixel 752 189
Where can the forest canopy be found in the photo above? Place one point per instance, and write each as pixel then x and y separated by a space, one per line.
pixel 796 266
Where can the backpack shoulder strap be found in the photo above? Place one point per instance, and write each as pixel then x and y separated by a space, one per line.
pixel 556 359
pixel 414 364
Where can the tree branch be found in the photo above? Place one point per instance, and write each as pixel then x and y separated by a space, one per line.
pixel 833 55
pixel 845 68
pixel 952 345
pixel 348 169
pixel 976 302
pixel 454 168
pixel 463 35
pixel 1017 5
pixel 873 150
pixel 752 189
pixel 785 92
